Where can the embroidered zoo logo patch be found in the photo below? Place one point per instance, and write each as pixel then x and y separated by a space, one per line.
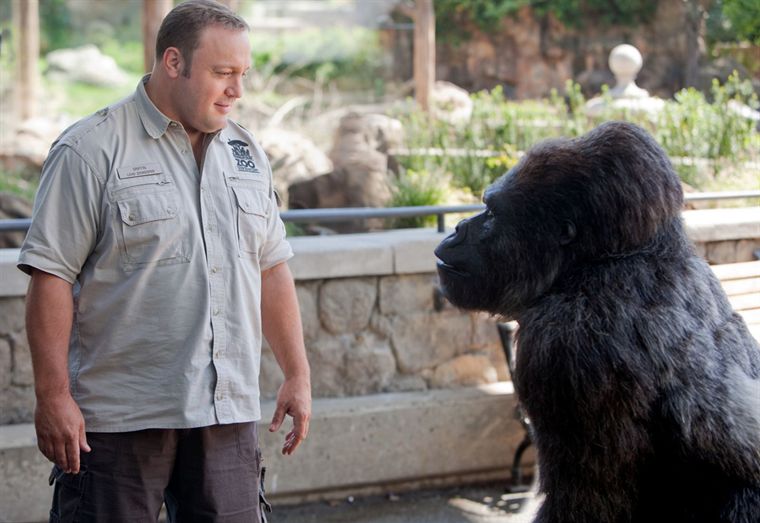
pixel 242 156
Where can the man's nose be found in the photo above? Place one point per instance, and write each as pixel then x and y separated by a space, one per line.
pixel 235 88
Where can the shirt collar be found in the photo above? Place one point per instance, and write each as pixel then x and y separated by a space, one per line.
pixel 154 121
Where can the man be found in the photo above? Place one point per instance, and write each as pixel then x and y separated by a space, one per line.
pixel 157 258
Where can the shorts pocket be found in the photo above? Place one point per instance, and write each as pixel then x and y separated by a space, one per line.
pixel 252 212
pixel 150 229
pixel 67 495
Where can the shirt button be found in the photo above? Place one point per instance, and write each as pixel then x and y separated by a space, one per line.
pixel 216 311
pixel 219 396
pixel 131 217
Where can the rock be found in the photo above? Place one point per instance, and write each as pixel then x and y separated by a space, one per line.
pixel 293 157
pixel 425 340
pixel 345 305
pixel 85 64
pixel 370 365
pixel 327 358
pixel 6 364
pixel 466 370
pixel 406 383
pixel 360 176
pixel 307 301
pixel 270 375
pixel 17 406
pixel 450 103
pixel 22 361
pixel 12 319
pixel 407 293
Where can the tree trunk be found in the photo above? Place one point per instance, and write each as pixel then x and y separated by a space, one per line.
pixel 153 13
pixel 424 52
pixel 26 88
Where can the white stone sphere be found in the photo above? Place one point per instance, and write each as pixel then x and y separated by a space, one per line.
pixel 625 61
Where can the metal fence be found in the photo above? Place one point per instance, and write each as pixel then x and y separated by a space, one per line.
pixel 348 214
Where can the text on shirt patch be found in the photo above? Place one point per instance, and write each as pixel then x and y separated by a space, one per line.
pixel 242 156
pixel 148 169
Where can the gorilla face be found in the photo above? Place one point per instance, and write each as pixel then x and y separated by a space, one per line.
pixel 566 203
pixel 489 262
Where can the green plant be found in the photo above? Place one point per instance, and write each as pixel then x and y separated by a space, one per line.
pixel 744 16
pixel 417 188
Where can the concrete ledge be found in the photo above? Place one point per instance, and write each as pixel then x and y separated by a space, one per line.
pixel 355 446
pixel 710 225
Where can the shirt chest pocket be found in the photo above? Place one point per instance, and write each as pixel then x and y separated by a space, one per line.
pixel 149 229
pixel 252 208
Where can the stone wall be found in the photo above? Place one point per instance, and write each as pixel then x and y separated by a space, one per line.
pixel 370 317
pixel 382 334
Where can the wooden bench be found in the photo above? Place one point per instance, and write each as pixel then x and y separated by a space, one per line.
pixel 741 281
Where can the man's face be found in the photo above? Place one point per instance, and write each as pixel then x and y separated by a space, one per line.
pixel 203 100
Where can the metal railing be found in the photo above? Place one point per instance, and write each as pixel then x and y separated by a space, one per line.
pixel 347 214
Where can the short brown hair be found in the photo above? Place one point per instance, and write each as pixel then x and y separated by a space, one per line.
pixel 182 27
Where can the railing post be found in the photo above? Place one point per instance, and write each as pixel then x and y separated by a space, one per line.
pixel 441 222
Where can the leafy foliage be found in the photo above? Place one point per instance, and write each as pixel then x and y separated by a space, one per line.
pixel 744 16
pixel 487 14
pixel 472 154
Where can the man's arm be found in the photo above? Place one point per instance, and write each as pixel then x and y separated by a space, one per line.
pixel 57 418
pixel 281 321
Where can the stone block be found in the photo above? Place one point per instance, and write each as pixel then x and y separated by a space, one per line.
pixel 11 315
pixel 6 364
pixel 407 293
pixel 327 359
pixel 721 252
pixel 406 383
pixel 465 370
pixel 270 375
pixel 346 304
pixel 16 405
pixel 745 250
pixel 340 256
pixel 425 340
pixel 370 365
pixel 307 302
pixel 701 249
pixel 484 331
pixel 22 361
pixel 385 440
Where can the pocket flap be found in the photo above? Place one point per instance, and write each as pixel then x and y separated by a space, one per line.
pixel 252 201
pixel 148 208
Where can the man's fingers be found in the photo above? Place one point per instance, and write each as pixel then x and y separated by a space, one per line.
pixel 72 455
pixel 59 456
pixel 277 418
pixel 292 440
pixel 83 445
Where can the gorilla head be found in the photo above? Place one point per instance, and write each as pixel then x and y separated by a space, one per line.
pixel 566 202
pixel 641 383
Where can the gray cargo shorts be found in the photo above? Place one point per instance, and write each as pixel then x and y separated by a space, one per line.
pixel 202 474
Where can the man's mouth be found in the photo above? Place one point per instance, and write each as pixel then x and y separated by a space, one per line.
pixel 223 108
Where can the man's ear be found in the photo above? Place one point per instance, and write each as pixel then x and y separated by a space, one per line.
pixel 173 62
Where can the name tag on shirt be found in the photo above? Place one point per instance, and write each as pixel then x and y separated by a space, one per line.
pixel 149 169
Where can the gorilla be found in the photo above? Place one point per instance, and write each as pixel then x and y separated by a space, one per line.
pixel 641 383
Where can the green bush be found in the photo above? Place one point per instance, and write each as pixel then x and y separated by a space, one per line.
pixel 411 189
pixel 474 153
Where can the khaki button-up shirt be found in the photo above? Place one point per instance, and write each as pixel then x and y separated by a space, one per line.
pixel 166 262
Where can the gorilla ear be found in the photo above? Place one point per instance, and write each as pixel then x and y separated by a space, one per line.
pixel 568 232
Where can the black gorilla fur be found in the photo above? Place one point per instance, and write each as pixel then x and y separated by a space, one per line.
pixel 642 384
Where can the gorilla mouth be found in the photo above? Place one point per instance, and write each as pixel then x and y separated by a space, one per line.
pixel 443 266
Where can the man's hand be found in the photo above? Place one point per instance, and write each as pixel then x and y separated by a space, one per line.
pixel 293 399
pixel 60 431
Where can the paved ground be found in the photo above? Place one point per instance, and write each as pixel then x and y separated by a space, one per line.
pixel 481 504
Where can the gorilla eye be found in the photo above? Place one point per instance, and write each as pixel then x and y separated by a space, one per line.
pixel 489 213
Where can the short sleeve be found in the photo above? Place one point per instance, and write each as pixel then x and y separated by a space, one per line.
pixel 276 247
pixel 65 217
